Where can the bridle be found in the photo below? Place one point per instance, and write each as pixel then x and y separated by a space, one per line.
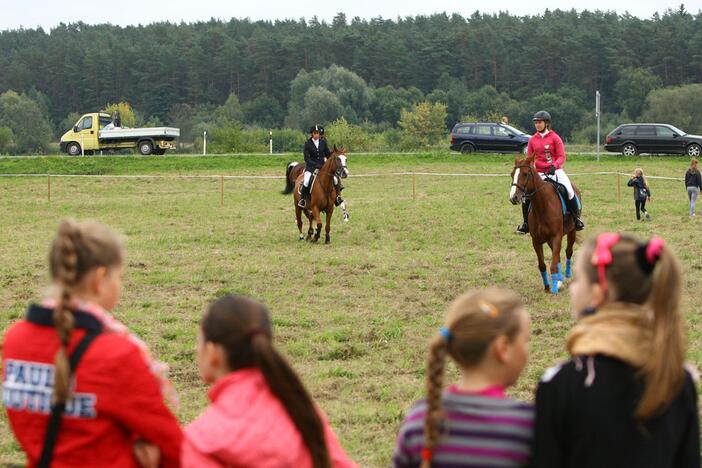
pixel 523 188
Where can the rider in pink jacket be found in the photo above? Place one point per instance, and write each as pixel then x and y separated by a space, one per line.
pixel 549 156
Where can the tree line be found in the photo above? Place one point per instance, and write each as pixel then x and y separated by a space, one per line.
pixel 240 74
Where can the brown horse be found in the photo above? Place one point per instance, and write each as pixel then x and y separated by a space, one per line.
pixel 322 195
pixel 547 224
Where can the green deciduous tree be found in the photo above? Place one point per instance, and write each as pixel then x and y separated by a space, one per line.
pixel 31 131
pixel 126 114
pixel 264 111
pixel 6 140
pixel 631 90
pixel 424 125
pixel 679 106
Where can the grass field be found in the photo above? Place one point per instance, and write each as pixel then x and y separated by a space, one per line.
pixel 353 316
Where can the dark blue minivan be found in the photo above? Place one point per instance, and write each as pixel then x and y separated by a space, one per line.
pixel 489 137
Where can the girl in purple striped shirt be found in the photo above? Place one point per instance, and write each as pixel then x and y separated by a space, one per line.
pixel 473 423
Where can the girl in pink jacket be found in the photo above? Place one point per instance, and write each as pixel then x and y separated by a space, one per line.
pixel 260 413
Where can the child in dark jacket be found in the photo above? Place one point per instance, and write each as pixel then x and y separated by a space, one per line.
pixel 642 193
pixel 625 397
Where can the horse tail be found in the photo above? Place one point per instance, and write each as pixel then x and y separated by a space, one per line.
pixel 288 183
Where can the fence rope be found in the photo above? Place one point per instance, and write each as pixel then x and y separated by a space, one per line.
pixel 282 177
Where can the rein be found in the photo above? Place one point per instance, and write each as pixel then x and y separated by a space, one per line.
pixel 523 188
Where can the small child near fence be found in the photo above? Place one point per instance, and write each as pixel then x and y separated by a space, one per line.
pixel 625 397
pixel 472 423
pixel 642 193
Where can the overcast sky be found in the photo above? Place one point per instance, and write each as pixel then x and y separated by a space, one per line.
pixel 49 13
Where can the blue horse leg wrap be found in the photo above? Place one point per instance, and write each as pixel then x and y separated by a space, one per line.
pixel 560 272
pixel 569 271
pixel 554 283
pixel 545 278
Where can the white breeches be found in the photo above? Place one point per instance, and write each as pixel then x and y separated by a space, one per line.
pixel 306 178
pixel 561 177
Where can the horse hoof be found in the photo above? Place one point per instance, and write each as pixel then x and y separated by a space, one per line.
pixel 560 285
pixel 302 237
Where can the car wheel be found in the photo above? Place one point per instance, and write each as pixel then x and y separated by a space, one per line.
pixel 146 148
pixel 467 148
pixel 694 150
pixel 630 150
pixel 73 149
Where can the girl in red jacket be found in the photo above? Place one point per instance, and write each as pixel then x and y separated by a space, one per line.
pixel 79 389
pixel 260 413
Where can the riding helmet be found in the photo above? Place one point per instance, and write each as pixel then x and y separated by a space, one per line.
pixel 542 115
pixel 317 128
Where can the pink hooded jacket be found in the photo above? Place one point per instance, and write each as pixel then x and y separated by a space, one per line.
pixel 247 426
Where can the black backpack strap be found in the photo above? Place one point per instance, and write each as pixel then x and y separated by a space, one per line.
pixel 52 429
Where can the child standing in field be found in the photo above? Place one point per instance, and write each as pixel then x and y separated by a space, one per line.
pixel 472 423
pixel 693 184
pixel 260 414
pixel 624 398
pixel 641 193
pixel 79 389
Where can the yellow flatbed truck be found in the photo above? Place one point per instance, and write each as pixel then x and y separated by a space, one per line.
pixel 93 132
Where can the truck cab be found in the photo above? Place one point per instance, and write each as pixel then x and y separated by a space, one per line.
pixel 84 134
pixel 89 135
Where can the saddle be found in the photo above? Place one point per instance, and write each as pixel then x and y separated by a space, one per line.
pixel 312 181
pixel 562 192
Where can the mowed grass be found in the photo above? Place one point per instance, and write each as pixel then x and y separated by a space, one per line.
pixel 354 316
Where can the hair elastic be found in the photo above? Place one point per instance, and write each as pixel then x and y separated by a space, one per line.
pixel 602 256
pixel 488 308
pixel 446 333
pixel 649 253
pixel 426 454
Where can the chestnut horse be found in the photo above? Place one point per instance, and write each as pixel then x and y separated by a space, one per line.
pixel 546 222
pixel 322 195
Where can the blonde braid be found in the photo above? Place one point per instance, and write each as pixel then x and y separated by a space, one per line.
pixel 64 266
pixel 435 382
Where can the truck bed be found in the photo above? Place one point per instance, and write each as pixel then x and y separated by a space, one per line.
pixel 164 133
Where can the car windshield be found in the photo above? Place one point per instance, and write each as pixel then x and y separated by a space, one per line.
pixel 514 130
pixel 677 130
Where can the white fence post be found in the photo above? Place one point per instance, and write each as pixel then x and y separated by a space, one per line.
pixel 204 143
pixel 597 114
pixel 270 141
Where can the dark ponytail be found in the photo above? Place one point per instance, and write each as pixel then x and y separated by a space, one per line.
pixel 243 328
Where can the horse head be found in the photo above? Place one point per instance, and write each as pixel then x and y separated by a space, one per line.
pixel 337 161
pixel 523 178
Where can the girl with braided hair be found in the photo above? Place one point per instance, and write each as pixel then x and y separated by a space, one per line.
pixel 260 415
pixel 625 398
pixel 473 423
pixel 79 389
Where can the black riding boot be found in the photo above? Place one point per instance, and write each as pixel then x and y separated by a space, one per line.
pixel 575 211
pixel 524 228
pixel 304 193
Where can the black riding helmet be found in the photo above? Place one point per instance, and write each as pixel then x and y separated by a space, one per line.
pixel 317 128
pixel 542 115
